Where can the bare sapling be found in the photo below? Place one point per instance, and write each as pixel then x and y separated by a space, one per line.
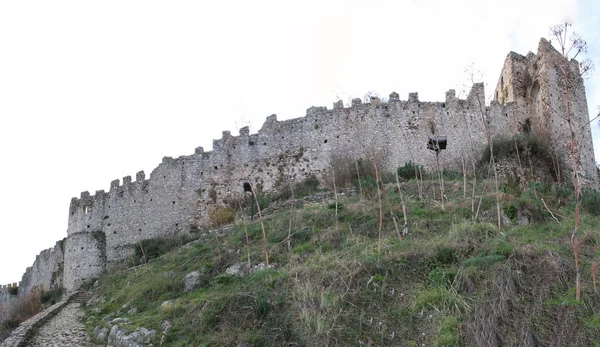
pixel 440 175
pixel 420 183
pixel 462 160
pixel 559 178
pixel 492 159
pixel 262 225
pixel 292 212
pixel 482 193
pixel 247 238
pixel 405 228
pixel 336 198
pixel 474 170
pixel 595 270
pixel 360 190
pixel 392 214
pixel 143 252
pixel 576 45
pixel 378 179
pixel 247 247
pixel 471 149
pixel 527 152
pixel 474 188
pixel 521 171
pixel 416 167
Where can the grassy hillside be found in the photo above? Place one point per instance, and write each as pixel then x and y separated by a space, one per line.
pixel 451 281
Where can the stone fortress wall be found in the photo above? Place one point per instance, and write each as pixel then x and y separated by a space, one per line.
pixel 47 270
pixel 177 197
pixel 179 194
pixel 5 295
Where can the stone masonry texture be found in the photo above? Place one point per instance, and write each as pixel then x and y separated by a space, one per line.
pixel 179 194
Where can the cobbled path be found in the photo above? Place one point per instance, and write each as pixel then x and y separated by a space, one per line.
pixel 63 330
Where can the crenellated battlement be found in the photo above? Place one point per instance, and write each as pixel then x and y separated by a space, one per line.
pixel 180 193
pixel 272 125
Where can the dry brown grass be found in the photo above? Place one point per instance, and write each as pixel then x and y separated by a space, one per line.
pixel 21 308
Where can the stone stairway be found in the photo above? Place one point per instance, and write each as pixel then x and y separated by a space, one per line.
pixel 80 297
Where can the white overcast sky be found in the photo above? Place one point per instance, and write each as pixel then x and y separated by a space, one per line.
pixel 94 91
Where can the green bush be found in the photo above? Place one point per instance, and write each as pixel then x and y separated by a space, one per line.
pixel 504 147
pixel 484 262
pixel 223 279
pixel 528 145
pixel 441 278
pixel 444 256
pixel 533 208
pixel 440 299
pixel 152 248
pixel 221 216
pixel 307 187
pixel 407 171
pixel 264 201
pixel 13 290
pixel 590 201
pixel 365 168
pixel 369 186
pixel 450 175
pixel 52 296
pixel 448 333
pixel 510 211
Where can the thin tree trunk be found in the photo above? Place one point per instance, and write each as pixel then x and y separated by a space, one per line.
pixel 336 199
pixel 292 211
pixel 247 246
pixel 392 214
pixel 474 189
pixel 405 229
pixel 595 276
pixel 419 180
pixel 440 177
pixel 143 252
pixel 573 151
pixel 558 169
pixel 262 225
pixel 362 203
pixel 520 166
pixel 493 161
pixel 377 177
pixel 462 159
pixel 482 192
pixel 420 184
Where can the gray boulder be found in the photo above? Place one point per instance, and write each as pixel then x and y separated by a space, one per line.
pixel 192 281
pixel 139 338
pixel 166 305
pixel 166 325
pixel 237 269
pixel 100 334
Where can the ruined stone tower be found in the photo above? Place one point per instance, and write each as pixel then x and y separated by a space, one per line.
pixel 536 85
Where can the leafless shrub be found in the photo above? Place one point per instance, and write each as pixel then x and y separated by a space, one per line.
pixel 570 48
pixel 22 308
